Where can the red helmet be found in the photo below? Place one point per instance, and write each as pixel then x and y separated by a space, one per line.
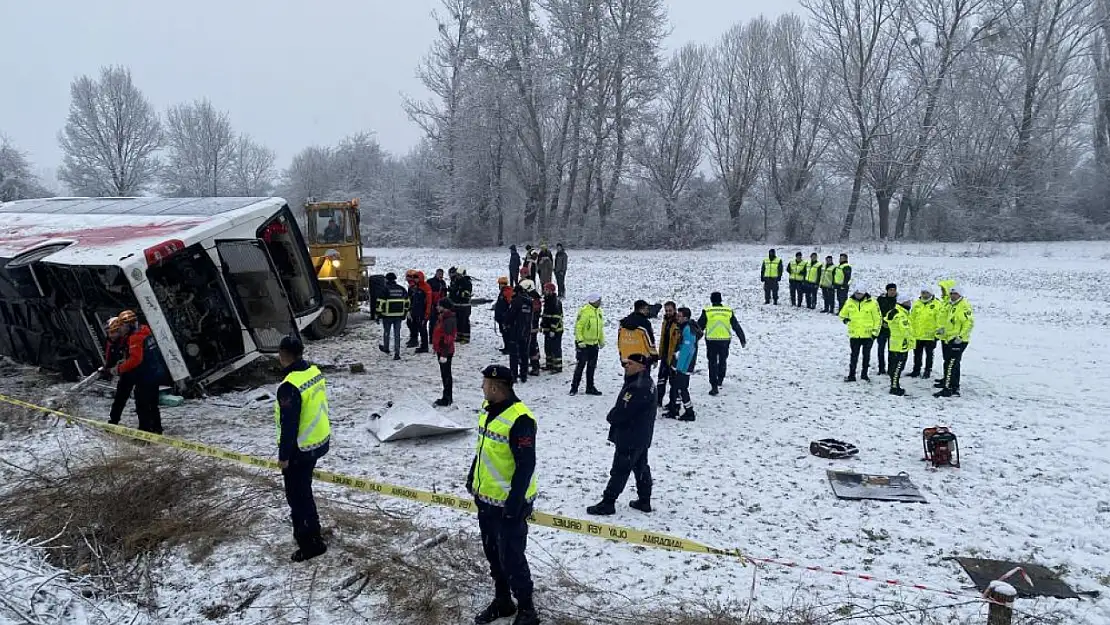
pixel 420 276
pixel 549 287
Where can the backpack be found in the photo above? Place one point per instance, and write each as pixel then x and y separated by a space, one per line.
pixel 832 449
pixel 634 341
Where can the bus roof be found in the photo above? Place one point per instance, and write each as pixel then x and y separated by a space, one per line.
pixel 105 231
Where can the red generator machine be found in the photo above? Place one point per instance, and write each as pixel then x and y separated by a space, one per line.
pixel 942 449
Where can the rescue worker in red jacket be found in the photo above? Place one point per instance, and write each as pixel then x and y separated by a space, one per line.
pixel 420 303
pixel 438 288
pixel 143 364
pixel 115 350
pixel 443 343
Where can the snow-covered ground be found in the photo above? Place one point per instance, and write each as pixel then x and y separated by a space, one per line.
pixel 1032 426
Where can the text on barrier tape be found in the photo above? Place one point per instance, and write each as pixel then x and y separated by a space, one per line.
pixel 542 519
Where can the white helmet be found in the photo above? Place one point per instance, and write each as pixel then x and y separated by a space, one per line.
pixel 461 271
pixel 527 285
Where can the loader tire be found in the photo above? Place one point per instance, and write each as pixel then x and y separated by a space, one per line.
pixel 332 319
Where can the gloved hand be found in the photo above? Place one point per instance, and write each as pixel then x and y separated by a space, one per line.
pixel 442 360
pixel 941 332
pixel 744 344
pixel 958 341
pixel 845 321
pixel 105 374
pixel 580 346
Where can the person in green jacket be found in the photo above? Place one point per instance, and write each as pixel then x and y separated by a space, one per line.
pixel 589 338
pixel 955 332
pixel 942 314
pixel 900 342
pixel 861 314
pixel 924 321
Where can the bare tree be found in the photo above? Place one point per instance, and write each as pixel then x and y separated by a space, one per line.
pixel 798 141
pixel 251 172
pixel 940 32
pixel 739 109
pixel 110 137
pixel 669 148
pixel 17 182
pixel 201 148
pixel 309 176
pixel 863 37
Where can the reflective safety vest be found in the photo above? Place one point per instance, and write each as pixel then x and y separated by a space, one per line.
pixel 718 323
pixel 796 269
pixel 315 428
pixel 493 471
pixel 827 276
pixel 813 272
pixel 772 267
pixel 838 275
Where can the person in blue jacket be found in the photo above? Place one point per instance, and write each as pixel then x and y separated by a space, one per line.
pixel 685 358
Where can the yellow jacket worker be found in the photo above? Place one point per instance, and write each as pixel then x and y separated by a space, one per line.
pixel 900 343
pixel 861 315
pixel 303 437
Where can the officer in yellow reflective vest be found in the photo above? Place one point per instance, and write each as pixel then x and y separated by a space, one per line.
pixel 719 323
pixel 796 269
pixel 813 276
pixel 303 436
pixel 828 292
pixel 770 273
pixel 503 482
pixel 842 280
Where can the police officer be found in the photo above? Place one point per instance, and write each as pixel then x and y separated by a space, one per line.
pixel 796 269
pixel 503 482
pixel 631 426
pixel 719 323
pixel 813 276
pixel 828 291
pixel 518 335
pixel 955 334
pixel 770 273
pixel 392 308
pixel 460 291
pixel 303 436
pixel 842 279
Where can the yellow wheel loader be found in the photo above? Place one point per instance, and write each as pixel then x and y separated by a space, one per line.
pixel 335 243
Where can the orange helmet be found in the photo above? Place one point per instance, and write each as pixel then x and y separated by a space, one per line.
pixel 503 280
pixel 114 324
pixel 419 276
pixel 549 287
pixel 127 316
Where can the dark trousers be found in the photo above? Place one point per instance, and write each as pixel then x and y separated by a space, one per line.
pixel 811 296
pixel 880 349
pixel 446 377
pixel 504 542
pixel 770 291
pixel 629 462
pixel 829 294
pixel 841 297
pixel 534 351
pixel 587 359
pixel 462 318
pixel 661 383
pixel 146 407
pixel 796 293
pixel 518 356
pixel 514 275
pixel 897 363
pixel 302 506
pixel 717 353
pixel 926 349
pixel 418 328
pixel 860 345
pixel 124 385
pixel 561 280
pixel 952 365
pixel 680 392
pixel 391 324
pixel 553 350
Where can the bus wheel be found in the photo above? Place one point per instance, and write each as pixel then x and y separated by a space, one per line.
pixel 332 319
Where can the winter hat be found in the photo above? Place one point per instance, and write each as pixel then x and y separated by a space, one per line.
pixel 391 276
pixel 860 288
pixel 958 288
pixel 593 297
pixel 638 305
pixel 715 297
pixel 926 289
pixel 891 286
pixel 905 299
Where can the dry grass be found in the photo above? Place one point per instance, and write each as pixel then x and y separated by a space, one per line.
pixel 107 514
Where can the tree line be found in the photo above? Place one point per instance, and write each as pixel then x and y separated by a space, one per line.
pixel 564 119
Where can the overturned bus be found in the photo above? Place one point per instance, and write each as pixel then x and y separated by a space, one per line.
pixel 218 280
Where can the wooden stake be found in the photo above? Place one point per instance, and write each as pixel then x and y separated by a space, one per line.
pixel 1002 596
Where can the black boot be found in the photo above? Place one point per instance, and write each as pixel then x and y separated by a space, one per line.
pixel 851 378
pixel 443 402
pixel 687 416
pixel 603 508
pixel 927 373
pixel 898 391
pixel 526 616
pixel 593 391
pixel 938 384
pixel 947 392
pixel 311 548
pixel 915 374
pixel 384 349
pixel 499 608
pixel 640 504
pixel 863 376
pixel 573 390
pixel 714 391
pixel 672 412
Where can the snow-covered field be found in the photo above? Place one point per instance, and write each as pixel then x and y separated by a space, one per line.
pixel 1032 425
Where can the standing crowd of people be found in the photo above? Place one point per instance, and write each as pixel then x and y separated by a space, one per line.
pixel 806 279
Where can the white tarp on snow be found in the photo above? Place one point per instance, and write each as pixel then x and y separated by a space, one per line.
pixel 406 418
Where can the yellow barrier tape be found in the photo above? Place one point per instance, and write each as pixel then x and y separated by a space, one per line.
pixel 466 504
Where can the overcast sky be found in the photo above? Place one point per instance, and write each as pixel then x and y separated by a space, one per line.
pixel 292 73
